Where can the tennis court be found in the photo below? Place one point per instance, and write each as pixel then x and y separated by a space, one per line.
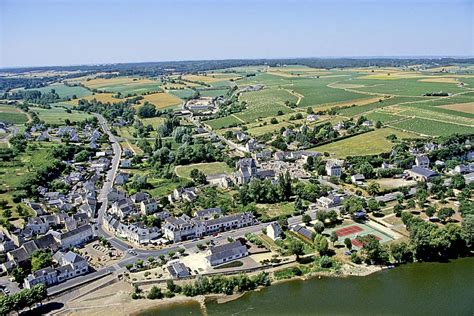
pixel 350 230
pixel 358 244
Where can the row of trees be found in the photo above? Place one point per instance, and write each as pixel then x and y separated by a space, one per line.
pixel 22 299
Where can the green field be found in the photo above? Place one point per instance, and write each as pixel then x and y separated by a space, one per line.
pixel 316 92
pixel 403 87
pixel 432 128
pixel 265 103
pixel 370 143
pixel 57 115
pixel 213 93
pixel 206 168
pixel 360 109
pixel 12 115
pixel 223 122
pixel 382 117
pixel 183 93
pixel 65 91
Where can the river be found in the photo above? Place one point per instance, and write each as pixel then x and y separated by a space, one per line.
pixel 413 289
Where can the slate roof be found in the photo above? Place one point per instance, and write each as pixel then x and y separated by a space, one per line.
pixel 227 250
pixel 178 270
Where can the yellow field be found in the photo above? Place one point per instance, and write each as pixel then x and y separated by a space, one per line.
pixel 101 97
pixel 161 100
pixel 102 82
pixel 461 107
pixel 349 103
pixel 388 75
pixel 209 78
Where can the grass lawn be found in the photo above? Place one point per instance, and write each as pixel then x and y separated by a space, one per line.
pixel 272 211
pixel 370 143
pixel 207 168
pixel 162 187
pixel 223 122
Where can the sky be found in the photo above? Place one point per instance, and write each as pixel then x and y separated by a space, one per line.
pixel 72 32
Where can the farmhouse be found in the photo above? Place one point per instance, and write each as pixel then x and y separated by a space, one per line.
pixel 421 174
pixel 274 231
pixel 422 161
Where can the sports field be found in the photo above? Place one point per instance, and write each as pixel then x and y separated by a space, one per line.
pixel 352 231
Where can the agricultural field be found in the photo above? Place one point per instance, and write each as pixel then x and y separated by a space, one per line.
pixel 58 114
pixel 162 100
pixel 124 85
pixel 213 92
pixel 432 128
pixel 101 97
pixel 223 122
pixel 210 78
pixel 12 115
pixel 316 92
pixel 206 168
pixel 65 91
pixel 403 87
pixel 360 109
pixel 437 115
pixel 383 117
pixel 265 103
pixel 370 143
pixel 182 93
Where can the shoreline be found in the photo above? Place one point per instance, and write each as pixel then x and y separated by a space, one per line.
pixel 121 303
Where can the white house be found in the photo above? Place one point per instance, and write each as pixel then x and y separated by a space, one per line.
pixel 422 161
pixel 227 252
pixel 333 168
pixel 274 231
pixel 148 206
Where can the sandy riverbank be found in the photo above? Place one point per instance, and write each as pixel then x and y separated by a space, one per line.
pixel 116 300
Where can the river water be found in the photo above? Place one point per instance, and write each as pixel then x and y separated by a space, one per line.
pixel 414 289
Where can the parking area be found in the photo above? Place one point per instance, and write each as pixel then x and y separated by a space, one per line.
pixel 100 256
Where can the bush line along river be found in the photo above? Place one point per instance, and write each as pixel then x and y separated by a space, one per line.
pixel 413 289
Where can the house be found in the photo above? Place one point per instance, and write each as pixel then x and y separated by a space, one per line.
pixel 240 136
pixel 274 231
pixel 422 161
pixel 122 208
pixel 246 169
pixel 71 265
pixel 182 228
pixel 125 163
pixel 122 178
pixel 264 155
pixel 139 197
pixel 75 237
pixel 227 252
pixel 37 225
pixel 333 168
pixel 183 194
pixel 358 178
pixel 367 123
pixel 303 232
pixel 460 169
pixel 332 200
pixel 421 174
pixel 208 213
pixel 148 206
pixel 251 146
pixel 178 270
pixel 312 118
pixel 288 132
pixel 220 180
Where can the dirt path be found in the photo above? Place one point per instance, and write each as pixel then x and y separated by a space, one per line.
pixel 233 115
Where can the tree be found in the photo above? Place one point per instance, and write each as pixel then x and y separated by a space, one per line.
pixel 445 213
pixel 353 204
pixel 155 293
pixel 299 207
pixel 430 211
pixel 468 228
pixel 373 188
pixel 41 259
pixel 7 213
pixel 318 227
pixel 198 176
pixel 19 274
pixel 296 248
pixel 306 219
pixel 373 205
pixel 374 252
pixel 348 243
pixel 333 238
pixel 147 110
pixel 401 252
pixel 322 245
